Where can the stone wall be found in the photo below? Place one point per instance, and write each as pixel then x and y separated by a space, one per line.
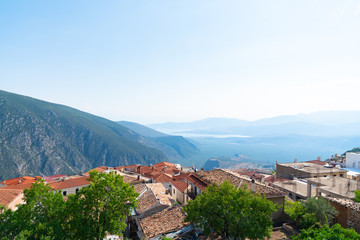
pixel 349 212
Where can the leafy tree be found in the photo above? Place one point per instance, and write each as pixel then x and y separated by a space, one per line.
pixel 307 213
pixel 231 212
pixel 101 207
pixel 318 232
pixel 357 196
pixel 41 217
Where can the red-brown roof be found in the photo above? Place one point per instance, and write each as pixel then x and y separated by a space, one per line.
pixel 56 176
pixel 168 220
pixel 180 176
pixel 7 196
pixel 72 182
pixel 162 178
pixel 180 185
pixel 251 174
pixel 318 162
pixel 19 180
pixel 197 182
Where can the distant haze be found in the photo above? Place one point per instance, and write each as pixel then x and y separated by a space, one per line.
pixel 158 61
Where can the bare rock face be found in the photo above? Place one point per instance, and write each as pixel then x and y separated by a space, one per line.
pixel 40 138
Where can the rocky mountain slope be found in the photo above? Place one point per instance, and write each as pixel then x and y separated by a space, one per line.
pixel 41 138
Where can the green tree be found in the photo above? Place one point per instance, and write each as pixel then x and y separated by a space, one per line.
pixel 41 217
pixel 357 196
pixel 101 207
pixel 319 232
pixel 95 210
pixel 232 212
pixel 307 213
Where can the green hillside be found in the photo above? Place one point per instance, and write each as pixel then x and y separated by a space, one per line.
pixel 176 148
pixel 41 138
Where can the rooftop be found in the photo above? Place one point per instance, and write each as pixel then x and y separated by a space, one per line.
pixel 313 168
pixel 7 196
pixel 218 176
pixel 166 221
pixel 295 186
pixel 180 185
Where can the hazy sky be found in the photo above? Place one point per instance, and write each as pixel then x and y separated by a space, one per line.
pixel 155 61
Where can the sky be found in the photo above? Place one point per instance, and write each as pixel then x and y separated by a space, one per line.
pixel 155 61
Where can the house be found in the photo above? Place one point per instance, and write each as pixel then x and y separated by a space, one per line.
pixel 198 181
pixel 10 198
pixel 179 191
pixel 71 185
pixel 307 170
pixel 169 222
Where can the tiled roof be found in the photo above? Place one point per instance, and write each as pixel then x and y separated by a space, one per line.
pixel 19 186
pixel 19 180
pixel 218 176
pixel 180 185
pixel 160 193
pixel 146 201
pixel 180 176
pixel 163 178
pixel 131 168
pixel 139 188
pixel 273 178
pixel 56 176
pixel 196 181
pixel 253 175
pixel 163 164
pixel 132 180
pixel 168 220
pixel 72 182
pixel 7 196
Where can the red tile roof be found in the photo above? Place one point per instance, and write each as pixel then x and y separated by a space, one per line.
pixel 197 182
pixel 163 178
pixel 19 180
pixel 56 176
pixel 72 182
pixel 253 175
pixel 180 185
pixel 7 196
pixel 168 220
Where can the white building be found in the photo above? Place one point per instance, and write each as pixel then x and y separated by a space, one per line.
pixel 352 160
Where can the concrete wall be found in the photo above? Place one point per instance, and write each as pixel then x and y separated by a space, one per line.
pixel 279 216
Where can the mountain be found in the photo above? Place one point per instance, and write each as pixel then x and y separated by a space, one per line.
pixel 321 124
pixel 41 138
pixel 175 147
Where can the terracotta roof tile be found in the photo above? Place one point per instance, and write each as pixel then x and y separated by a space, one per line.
pixel 139 188
pixel 180 185
pixel 197 182
pixel 146 201
pixel 72 182
pixel 7 196
pixel 168 220
pixel 253 175
pixel 19 180
pixel 163 178
pixel 218 176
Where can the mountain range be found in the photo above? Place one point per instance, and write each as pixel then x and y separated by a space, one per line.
pixel 321 124
pixel 41 138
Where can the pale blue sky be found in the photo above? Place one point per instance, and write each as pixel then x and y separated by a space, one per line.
pixel 155 61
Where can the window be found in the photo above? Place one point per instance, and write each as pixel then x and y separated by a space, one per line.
pixel 325 175
pixel 64 193
pixel 341 175
pixel 76 190
pixel 174 191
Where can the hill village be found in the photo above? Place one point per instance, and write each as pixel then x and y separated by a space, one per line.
pixel 164 188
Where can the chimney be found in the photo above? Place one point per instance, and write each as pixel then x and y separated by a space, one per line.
pixel 202 172
pixel 319 158
pixel 253 185
pixel 19 180
pixel 295 160
pixel 181 168
pixel 138 177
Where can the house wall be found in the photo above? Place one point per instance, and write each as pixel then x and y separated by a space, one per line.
pixel 17 201
pixel 352 160
pixel 279 216
pixel 348 213
pixel 179 196
pixel 71 190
